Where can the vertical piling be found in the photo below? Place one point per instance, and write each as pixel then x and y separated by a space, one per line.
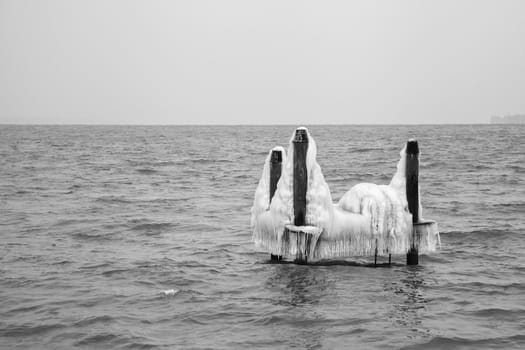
pixel 276 160
pixel 300 183
pixel 412 192
pixel 300 176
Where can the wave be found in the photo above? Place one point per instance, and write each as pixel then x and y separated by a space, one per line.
pixel 366 149
pixel 67 222
pixel 193 320
pixel 486 288
pixel 23 309
pixel 517 168
pixel 509 208
pixel 97 339
pixel 114 272
pixel 440 342
pixel 209 160
pixel 152 227
pixel 29 329
pixel 193 263
pixel 95 266
pixel 146 171
pixel 488 233
pixel 510 205
pixel 113 199
pixel 62 262
pixel 93 236
pixel 499 314
pixel 160 163
pixel 91 320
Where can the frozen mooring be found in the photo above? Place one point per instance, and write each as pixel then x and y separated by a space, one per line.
pixel 294 218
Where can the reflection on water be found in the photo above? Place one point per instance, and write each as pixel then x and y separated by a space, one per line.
pixel 408 300
pixel 299 291
pixel 299 285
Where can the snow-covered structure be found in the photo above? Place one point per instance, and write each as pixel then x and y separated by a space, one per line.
pixel 368 220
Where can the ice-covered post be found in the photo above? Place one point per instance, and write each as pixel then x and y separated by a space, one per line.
pixel 412 192
pixel 300 176
pixel 300 184
pixel 276 160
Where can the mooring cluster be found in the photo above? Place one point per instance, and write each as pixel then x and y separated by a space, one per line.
pixel 294 217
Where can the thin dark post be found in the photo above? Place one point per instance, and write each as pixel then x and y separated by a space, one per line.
pixel 300 176
pixel 276 160
pixel 412 191
pixel 300 181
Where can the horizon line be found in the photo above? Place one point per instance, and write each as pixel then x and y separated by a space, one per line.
pixel 241 124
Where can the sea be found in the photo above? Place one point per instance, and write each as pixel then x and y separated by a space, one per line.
pixel 138 237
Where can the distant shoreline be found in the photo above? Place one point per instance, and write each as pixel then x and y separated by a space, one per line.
pixel 508 119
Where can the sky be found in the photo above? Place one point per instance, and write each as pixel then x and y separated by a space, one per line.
pixel 260 62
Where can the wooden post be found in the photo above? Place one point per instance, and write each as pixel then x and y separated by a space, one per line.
pixel 300 176
pixel 300 185
pixel 276 160
pixel 412 192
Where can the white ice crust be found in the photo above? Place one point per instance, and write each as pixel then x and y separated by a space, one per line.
pixel 366 218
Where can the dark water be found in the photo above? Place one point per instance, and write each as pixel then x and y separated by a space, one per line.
pixel 138 237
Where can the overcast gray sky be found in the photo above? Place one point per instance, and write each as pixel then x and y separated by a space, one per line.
pixel 264 62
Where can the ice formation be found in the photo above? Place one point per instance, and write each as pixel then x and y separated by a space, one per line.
pixel 368 218
pixel 170 292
